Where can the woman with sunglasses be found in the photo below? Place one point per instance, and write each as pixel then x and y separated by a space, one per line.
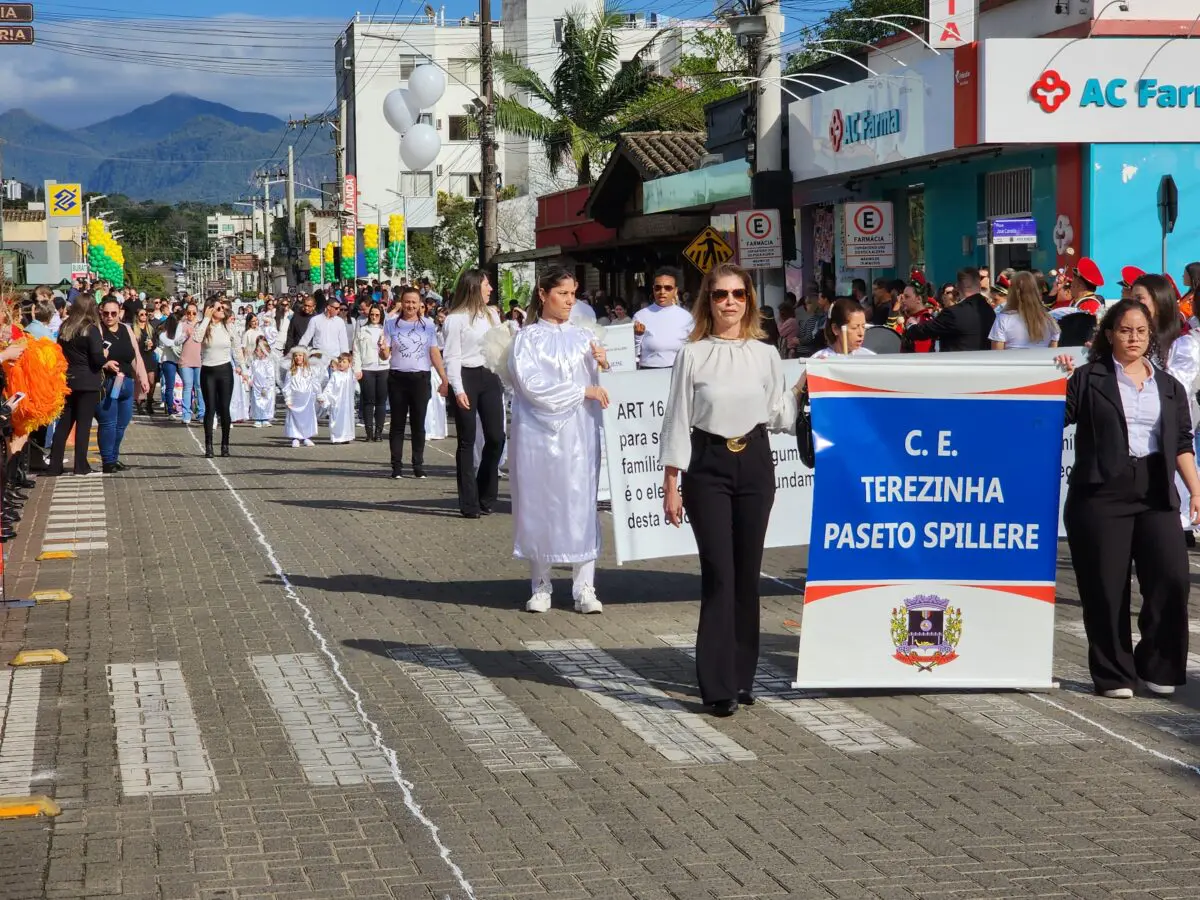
pixel 660 330
pixel 727 392
pixel 124 373
pixel 143 332
pixel 220 354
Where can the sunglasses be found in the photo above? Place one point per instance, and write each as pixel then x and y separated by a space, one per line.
pixel 722 293
pixel 664 287
pixel 110 312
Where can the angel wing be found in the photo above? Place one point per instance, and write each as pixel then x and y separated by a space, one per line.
pixel 496 344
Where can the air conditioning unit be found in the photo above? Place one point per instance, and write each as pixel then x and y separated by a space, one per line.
pixel 439 171
pixel 347 63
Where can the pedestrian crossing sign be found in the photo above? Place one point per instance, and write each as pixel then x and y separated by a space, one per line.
pixel 708 249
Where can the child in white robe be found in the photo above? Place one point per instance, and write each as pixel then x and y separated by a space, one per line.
pixel 435 413
pixel 303 385
pixel 338 398
pixel 239 399
pixel 263 371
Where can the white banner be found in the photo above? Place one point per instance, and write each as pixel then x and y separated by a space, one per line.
pixel 634 483
pixel 632 424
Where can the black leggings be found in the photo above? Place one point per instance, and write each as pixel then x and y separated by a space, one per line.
pixel 408 393
pixel 216 387
pixel 374 398
pixel 78 412
pixel 477 489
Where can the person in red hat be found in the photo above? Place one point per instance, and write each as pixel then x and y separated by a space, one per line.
pixel 1083 288
pixel 1191 281
pixel 913 308
pixel 1129 275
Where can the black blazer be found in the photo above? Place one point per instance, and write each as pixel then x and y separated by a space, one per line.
pixel 1102 435
pixel 964 326
pixel 85 359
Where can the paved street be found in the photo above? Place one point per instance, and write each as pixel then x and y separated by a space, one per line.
pixel 291 677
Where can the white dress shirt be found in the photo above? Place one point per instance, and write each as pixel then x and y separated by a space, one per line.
pixel 726 388
pixel 1143 412
pixel 327 334
pixel 464 343
pixel 667 329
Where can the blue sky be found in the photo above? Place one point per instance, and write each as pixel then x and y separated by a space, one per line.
pixel 97 58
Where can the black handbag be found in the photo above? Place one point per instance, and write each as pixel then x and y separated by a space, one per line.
pixel 804 432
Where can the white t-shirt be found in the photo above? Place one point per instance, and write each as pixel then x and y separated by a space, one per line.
pixel 826 352
pixel 1010 328
pixel 667 330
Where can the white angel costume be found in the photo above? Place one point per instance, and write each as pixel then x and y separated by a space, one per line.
pixel 262 388
pixel 338 398
pixel 435 417
pixel 301 398
pixel 1183 364
pixel 555 456
pixel 239 401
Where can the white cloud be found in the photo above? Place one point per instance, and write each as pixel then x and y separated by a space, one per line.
pixel 83 71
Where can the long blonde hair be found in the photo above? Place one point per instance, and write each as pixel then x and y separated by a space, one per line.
pixel 1025 300
pixel 752 329
pixel 468 294
pixel 213 323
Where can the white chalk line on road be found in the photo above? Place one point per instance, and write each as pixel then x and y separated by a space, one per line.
pixel 406 786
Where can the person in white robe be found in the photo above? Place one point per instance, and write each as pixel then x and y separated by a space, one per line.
pixel 239 398
pixel 436 420
pixel 263 373
pixel 337 398
pixel 553 369
pixel 300 395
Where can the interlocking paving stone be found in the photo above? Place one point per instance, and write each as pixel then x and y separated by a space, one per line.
pixel 489 723
pixel 1008 718
pixel 836 722
pixel 663 723
pixel 159 746
pixel 330 741
pixel 21 690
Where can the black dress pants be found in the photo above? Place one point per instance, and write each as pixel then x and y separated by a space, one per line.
pixel 78 413
pixel 1111 528
pixel 408 395
pixel 374 398
pixel 477 490
pixel 216 387
pixel 728 497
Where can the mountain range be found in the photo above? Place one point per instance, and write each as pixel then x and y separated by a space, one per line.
pixel 177 148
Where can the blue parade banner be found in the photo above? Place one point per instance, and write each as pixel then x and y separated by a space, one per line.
pixel 935 522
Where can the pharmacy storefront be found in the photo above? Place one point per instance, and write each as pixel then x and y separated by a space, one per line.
pixel 1026 153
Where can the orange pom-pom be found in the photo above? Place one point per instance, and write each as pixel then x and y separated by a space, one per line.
pixel 41 375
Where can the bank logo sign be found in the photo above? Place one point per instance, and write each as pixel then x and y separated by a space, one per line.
pixel 857 127
pixel 1052 91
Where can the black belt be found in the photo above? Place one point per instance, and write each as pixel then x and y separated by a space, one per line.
pixel 733 444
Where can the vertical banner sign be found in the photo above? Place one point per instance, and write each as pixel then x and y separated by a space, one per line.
pixel 350 205
pixel 952 23
pixel 632 424
pixel 933 549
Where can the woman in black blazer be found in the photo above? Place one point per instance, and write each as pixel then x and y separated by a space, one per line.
pixel 83 348
pixel 1133 434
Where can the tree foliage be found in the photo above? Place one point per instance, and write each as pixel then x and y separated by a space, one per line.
pixel 451 247
pixel 837 26
pixel 593 96
pixel 713 57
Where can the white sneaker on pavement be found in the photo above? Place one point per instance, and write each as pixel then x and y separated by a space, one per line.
pixel 308 443
pixel 586 602
pixel 1163 690
pixel 1119 694
pixel 296 442
pixel 540 601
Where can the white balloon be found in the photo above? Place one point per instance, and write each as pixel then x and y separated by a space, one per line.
pixel 426 85
pixel 398 111
pixel 420 147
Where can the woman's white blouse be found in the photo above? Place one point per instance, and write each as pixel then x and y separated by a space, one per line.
pixel 726 388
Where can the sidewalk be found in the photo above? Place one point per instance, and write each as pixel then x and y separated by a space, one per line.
pixel 291 676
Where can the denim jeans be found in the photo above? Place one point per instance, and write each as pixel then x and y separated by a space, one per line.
pixel 166 380
pixel 191 389
pixel 112 418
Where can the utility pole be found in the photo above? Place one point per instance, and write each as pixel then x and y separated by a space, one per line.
pixel 769 144
pixel 340 151
pixel 292 252
pixel 2 266
pixel 489 245
pixel 266 287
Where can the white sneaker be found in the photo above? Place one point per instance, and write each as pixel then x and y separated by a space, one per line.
pixel 296 442
pixel 1163 690
pixel 586 602
pixel 540 601
pixel 1119 694
pixel 258 424
pixel 308 443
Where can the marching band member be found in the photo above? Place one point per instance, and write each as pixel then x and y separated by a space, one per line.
pixel 727 390
pixel 553 366
pixel 911 308
pixel 1133 436
pixel 1129 275
pixel 662 328
pixel 1085 280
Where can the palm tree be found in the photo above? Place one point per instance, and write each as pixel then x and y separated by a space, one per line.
pixel 594 96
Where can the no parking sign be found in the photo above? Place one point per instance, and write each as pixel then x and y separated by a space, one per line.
pixel 760 240
pixel 870 235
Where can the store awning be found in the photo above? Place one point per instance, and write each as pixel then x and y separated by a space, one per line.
pixel 524 256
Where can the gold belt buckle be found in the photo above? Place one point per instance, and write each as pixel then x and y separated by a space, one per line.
pixel 735 445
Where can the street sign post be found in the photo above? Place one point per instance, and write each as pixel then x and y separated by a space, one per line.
pixel 708 249
pixel 1168 211
pixel 760 239
pixel 243 262
pixel 870 235
pixel 1014 231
